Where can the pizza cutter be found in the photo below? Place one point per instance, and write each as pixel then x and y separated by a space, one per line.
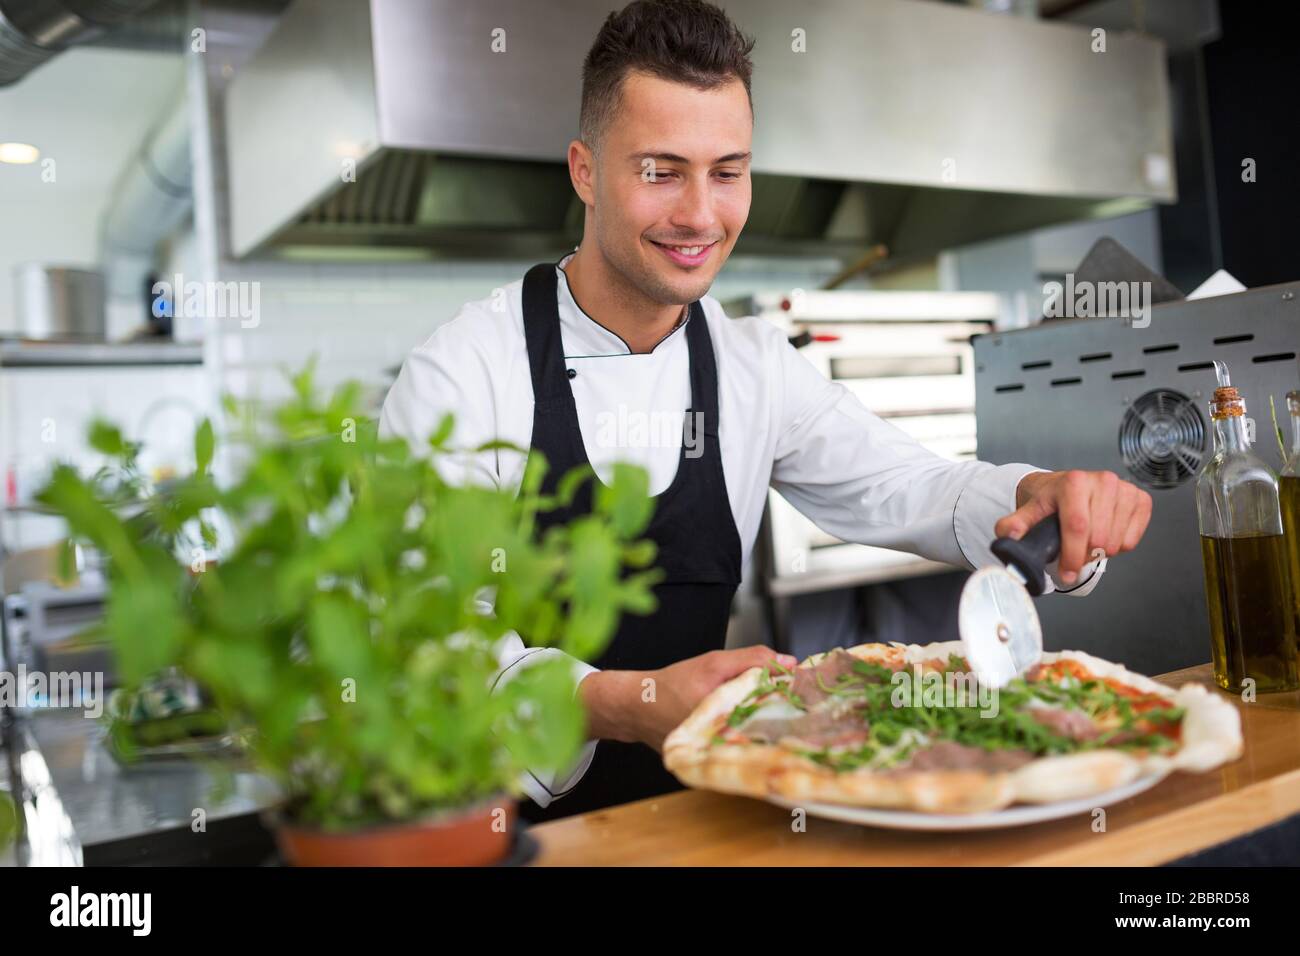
pixel 1000 631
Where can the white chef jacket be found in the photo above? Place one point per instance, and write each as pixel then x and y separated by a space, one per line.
pixel 781 424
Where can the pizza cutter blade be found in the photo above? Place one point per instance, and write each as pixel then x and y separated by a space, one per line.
pixel 1000 631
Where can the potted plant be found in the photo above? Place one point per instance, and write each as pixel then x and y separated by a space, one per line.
pixel 342 629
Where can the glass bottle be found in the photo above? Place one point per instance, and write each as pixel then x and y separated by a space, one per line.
pixel 1288 484
pixel 1247 577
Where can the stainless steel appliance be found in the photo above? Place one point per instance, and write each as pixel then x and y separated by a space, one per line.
pixel 1106 394
pixel 43 631
pixel 58 302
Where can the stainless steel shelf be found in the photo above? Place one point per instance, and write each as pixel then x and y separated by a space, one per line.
pixel 816 580
pixel 27 354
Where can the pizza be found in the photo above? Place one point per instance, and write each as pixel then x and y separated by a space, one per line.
pixel 908 727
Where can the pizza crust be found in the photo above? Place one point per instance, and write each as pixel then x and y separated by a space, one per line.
pixel 1211 736
pixel 1071 776
pixel 938 791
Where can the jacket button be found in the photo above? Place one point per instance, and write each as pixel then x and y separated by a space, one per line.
pixel 573 373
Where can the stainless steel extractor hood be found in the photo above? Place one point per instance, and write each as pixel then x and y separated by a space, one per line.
pixel 917 125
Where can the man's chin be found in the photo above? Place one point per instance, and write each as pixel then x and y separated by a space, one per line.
pixel 661 282
pixel 676 290
pixel 691 293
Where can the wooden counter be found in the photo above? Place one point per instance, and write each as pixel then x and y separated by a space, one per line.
pixel 1180 815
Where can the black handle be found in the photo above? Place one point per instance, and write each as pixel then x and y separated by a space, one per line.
pixel 1031 554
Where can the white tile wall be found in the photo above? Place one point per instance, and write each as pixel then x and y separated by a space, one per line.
pixel 44 414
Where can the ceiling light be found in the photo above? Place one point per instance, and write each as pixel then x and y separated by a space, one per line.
pixel 18 153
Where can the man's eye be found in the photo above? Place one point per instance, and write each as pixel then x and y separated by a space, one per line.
pixel 728 175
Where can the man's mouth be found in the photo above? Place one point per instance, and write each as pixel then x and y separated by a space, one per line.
pixel 686 255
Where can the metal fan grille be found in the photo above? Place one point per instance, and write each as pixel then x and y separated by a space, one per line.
pixel 1162 438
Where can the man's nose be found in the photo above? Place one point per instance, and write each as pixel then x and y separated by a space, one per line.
pixel 694 209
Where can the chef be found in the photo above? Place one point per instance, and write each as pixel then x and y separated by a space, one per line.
pixel 584 359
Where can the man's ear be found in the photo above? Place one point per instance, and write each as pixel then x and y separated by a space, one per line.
pixel 582 171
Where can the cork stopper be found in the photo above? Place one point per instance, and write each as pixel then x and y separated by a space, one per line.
pixel 1293 403
pixel 1227 403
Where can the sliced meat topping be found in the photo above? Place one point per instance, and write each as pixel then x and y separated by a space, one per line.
pixel 1144 728
pixel 1124 737
pixel 823 728
pixel 1074 724
pixel 947 755
pixel 809 681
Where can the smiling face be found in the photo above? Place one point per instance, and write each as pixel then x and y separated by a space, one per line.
pixel 668 192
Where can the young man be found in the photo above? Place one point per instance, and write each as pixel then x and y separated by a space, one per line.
pixel 582 357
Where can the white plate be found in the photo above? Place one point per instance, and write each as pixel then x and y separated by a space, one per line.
pixel 1010 817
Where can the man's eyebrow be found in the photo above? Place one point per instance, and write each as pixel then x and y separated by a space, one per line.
pixel 674 158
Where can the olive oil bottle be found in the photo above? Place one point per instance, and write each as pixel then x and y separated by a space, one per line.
pixel 1289 491
pixel 1252 617
pixel 1247 571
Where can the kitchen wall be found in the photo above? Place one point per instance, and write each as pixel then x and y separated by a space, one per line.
pixel 45 413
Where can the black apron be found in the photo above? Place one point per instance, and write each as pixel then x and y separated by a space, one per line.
pixel 699 546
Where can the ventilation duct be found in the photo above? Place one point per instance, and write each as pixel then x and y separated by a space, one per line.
pixel 919 126
pixel 31 33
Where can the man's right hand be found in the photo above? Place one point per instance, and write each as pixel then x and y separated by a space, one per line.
pixel 644 706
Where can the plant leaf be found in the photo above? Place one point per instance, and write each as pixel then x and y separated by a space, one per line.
pixel 204 445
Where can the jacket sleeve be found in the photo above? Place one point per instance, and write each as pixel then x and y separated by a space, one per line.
pixel 867 481
pixel 541 785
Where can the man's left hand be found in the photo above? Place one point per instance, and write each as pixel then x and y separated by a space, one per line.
pixel 1097 510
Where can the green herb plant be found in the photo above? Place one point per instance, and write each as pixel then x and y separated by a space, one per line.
pixel 348 627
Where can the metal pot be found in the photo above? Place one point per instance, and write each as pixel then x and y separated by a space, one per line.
pixel 56 302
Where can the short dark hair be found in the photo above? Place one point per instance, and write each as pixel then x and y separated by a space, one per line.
pixel 686 41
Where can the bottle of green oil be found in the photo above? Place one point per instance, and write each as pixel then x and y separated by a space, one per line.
pixel 1289 491
pixel 1247 572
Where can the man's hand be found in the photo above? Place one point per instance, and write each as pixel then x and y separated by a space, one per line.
pixel 644 706
pixel 1097 510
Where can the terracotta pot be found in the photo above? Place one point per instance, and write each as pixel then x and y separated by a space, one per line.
pixel 475 836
